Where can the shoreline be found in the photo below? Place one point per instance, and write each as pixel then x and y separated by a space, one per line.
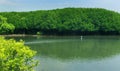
pixel 33 35
pixel 18 35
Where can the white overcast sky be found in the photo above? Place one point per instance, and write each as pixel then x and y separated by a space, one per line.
pixel 30 5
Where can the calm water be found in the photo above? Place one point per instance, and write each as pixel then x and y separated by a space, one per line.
pixel 91 53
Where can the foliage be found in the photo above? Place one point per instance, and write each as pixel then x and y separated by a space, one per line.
pixel 15 56
pixel 66 21
pixel 38 33
pixel 5 27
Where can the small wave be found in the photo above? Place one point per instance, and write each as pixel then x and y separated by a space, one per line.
pixel 47 41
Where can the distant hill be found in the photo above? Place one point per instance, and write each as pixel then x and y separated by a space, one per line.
pixel 67 21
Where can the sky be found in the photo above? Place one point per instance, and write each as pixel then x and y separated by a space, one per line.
pixel 31 5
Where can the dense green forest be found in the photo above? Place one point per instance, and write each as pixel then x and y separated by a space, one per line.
pixel 67 21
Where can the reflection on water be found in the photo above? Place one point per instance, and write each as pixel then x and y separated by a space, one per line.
pixel 74 54
pixel 51 64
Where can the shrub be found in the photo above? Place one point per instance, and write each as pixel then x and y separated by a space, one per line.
pixel 15 56
pixel 38 33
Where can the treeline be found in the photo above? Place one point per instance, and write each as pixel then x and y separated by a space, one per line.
pixel 67 21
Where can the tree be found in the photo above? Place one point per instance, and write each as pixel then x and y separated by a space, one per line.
pixel 5 27
pixel 67 20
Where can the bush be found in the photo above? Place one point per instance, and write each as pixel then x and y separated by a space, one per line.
pixel 15 56
pixel 38 33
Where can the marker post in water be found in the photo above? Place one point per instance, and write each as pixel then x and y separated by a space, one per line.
pixel 81 37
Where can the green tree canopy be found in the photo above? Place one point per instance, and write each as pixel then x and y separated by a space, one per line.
pixel 78 21
pixel 5 27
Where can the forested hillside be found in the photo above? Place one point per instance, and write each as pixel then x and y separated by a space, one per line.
pixel 67 21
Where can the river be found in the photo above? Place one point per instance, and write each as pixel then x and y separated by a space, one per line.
pixel 75 53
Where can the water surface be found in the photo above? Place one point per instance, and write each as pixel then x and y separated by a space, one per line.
pixel 71 53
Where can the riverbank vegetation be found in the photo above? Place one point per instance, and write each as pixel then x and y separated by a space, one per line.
pixel 15 56
pixel 67 21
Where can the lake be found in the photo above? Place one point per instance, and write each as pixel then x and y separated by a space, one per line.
pixel 75 53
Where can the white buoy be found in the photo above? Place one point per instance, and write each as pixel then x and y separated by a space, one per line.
pixel 81 37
